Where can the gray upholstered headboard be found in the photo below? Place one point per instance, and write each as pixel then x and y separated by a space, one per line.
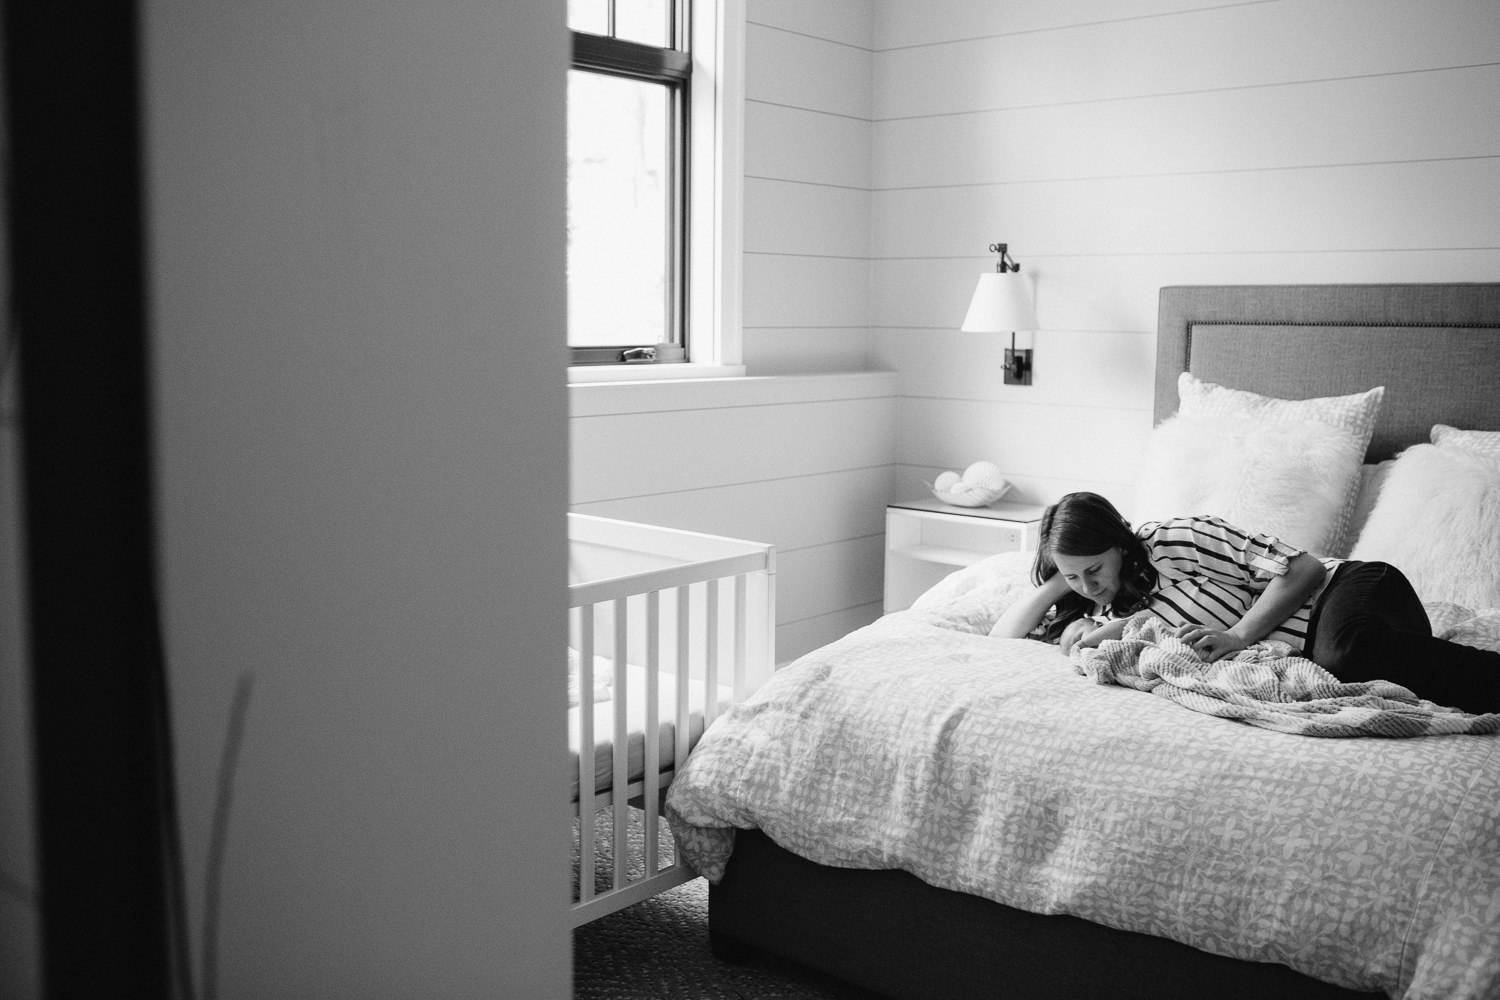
pixel 1436 349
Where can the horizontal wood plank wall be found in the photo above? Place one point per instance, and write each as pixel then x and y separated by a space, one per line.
pixel 795 455
pixel 808 95
pixel 1122 146
pixel 802 462
pixel 808 92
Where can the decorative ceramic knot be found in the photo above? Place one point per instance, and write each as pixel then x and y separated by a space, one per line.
pixel 980 485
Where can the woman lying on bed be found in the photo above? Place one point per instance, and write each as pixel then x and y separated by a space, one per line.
pixel 1226 588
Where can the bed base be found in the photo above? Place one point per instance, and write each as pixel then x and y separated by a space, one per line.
pixel 893 934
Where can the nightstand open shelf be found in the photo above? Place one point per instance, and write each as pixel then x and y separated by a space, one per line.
pixel 939 554
pixel 925 540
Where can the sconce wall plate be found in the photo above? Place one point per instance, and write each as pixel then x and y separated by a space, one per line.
pixel 1017 366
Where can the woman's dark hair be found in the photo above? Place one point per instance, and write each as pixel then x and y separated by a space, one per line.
pixel 1086 524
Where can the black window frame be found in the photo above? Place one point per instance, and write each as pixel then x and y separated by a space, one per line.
pixel 672 68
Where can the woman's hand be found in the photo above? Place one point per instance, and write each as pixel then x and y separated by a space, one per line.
pixel 1025 614
pixel 1210 644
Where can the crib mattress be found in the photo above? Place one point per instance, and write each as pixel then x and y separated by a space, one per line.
pixel 666 733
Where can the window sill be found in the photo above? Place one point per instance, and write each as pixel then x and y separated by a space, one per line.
pixel 603 399
pixel 650 372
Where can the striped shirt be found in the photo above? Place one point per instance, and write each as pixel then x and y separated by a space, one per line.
pixel 1211 572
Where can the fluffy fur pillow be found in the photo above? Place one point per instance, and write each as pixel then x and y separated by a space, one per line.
pixel 1372 479
pixel 1438 520
pixel 1355 414
pixel 1290 479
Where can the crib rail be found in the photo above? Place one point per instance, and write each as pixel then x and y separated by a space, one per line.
pixel 685 624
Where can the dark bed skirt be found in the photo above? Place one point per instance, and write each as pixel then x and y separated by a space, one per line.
pixel 892 933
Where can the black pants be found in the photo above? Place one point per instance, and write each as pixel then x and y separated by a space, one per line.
pixel 1369 624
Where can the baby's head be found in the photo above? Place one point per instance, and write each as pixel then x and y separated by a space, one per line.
pixel 1076 630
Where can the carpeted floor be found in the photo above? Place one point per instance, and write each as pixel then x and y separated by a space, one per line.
pixel 658 949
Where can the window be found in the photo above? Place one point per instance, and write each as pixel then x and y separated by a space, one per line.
pixel 627 167
pixel 652 163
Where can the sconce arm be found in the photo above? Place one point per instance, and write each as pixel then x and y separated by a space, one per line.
pixel 1005 263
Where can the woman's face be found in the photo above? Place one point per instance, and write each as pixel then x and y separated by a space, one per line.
pixel 1095 577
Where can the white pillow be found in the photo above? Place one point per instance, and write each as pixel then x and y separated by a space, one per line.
pixel 1355 413
pixel 1283 478
pixel 972 598
pixel 1371 478
pixel 1438 521
pixel 604 678
pixel 1480 442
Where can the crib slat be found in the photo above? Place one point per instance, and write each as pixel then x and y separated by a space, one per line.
pixel 651 774
pixel 586 761
pixel 621 749
pixel 741 633
pixel 680 723
pixel 711 662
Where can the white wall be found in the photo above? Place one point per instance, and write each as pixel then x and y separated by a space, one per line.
pixel 808 91
pixel 1122 146
pixel 796 456
pixel 803 462
pixel 357 281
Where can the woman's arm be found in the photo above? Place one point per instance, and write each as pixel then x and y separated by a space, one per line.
pixel 1027 613
pixel 1282 596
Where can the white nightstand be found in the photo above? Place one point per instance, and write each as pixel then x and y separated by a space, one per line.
pixel 925 540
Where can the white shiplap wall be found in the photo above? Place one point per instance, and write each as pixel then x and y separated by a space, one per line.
pixel 799 454
pixel 1122 146
pixel 808 92
pixel 801 462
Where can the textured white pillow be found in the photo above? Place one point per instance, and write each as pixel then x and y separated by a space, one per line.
pixel 1480 442
pixel 1355 413
pixel 972 598
pixel 1438 521
pixel 1284 478
pixel 604 678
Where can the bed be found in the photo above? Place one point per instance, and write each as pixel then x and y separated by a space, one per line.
pixel 926 811
pixel 666 630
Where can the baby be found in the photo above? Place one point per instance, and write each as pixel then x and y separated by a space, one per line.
pixel 1089 632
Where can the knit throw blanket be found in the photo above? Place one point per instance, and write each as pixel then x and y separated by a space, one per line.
pixel 1268 686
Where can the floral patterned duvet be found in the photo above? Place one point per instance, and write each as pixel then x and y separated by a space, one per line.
pixel 989 766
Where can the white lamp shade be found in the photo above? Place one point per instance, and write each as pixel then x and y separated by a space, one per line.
pixel 1001 304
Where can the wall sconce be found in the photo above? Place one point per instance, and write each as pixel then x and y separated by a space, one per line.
pixel 1002 304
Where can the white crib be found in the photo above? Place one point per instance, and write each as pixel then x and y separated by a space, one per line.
pixel 682 625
